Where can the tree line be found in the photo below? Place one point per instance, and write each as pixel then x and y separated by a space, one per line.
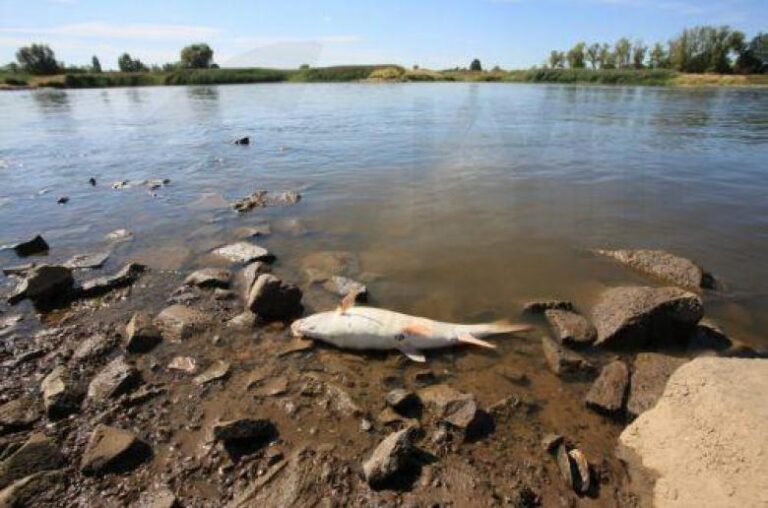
pixel 699 49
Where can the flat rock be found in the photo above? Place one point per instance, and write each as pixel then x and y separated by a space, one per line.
pixel 39 489
pixel 87 261
pixel 44 284
pixel 274 300
pixel 244 253
pixel 705 439
pixel 218 370
pixel 343 286
pixel 209 278
pixel 117 378
pixel 570 328
pixel 36 245
pixel 101 285
pixel 389 458
pixel 179 322
pixel 59 396
pixel 244 429
pixel 609 390
pixel 450 405
pixel 564 362
pixel 540 306
pixel 38 453
pixel 637 316
pixel 112 450
pixel 664 266
pixel 93 346
pixel 321 266
pixel 183 363
pixel 649 378
pixel 141 334
pixel 19 414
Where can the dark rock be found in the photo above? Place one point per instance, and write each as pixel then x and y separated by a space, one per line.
pixel 540 306
pixel 636 317
pixel 649 378
pixel 245 429
pixel 63 200
pixel 87 261
pixel 564 362
pixel 117 378
pixel 43 285
pixel 570 328
pixel 40 489
pixel 36 245
pixel 113 450
pixel 709 337
pixel 389 458
pixel 101 285
pixel 403 401
pixel 424 378
pixel 141 334
pixel 247 277
pixel 19 414
pixel 209 278
pixel 59 395
pixel 274 300
pixel 551 442
pixel 38 453
pixel 244 253
pixel 609 389
pixel 179 322
pixel 664 266
pixel 242 141
pixel 92 181
pixel 342 286
pixel 93 346
pixel 218 370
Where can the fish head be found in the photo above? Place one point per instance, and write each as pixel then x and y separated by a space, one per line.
pixel 315 326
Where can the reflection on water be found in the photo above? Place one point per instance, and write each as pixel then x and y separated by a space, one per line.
pixel 463 199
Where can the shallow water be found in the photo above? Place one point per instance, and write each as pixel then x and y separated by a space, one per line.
pixel 463 199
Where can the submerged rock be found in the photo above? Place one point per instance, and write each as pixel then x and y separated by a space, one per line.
pixel 36 245
pixel 119 235
pixel 263 198
pixel 44 284
pixel 244 253
pixel 141 334
pixel 540 306
pixel 117 378
pixel 321 266
pixel 87 261
pixel 665 266
pixel 564 362
pixel 649 378
pixel 635 317
pixel 179 322
pixel 19 270
pixel 112 450
pixel 389 458
pixel 101 285
pixel 343 286
pixel 209 278
pixel 570 328
pixel 274 300
pixel 38 453
pixel 609 389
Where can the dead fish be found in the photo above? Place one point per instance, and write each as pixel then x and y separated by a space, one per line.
pixel 360 328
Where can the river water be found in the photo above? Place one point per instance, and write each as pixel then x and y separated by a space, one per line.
pixel 462 200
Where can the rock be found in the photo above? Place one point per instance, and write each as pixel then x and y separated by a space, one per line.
pixel 244 253
pixel 570 329
pixel 179 322
pixel 19 270
pixel 156 183
pixel 256 231
pixel 274 300
pixel 63 200
pixel 100 285
pixel 242 141
pixel 19 414
pixel 223 295
pixel 664 266
pixel 389 459
pixel 141 335
pixel 287 198
pixel 709 337
pixel 112 450
pixel 209 278
pixel 564 362
pixel 424 378
pixel 551 442
pixel 342 286
pixel 38 453
pixel 247 277
pixel 119 235
pixel 95 345
pixel 44 284
pixel 566 466
pixel 541 306
pixel 263 198
pixel 452 406
pixel 218 370
pixel 321 266
pixel 272 388
pixel 117 378
pixel 649 377
pixel 704 440
pixel 162 497
pixel 341 402
pixel 246 320
pixel 59 397
pixel 636 317
pixel 403 401
pixel 582 478
pixel 609 389
pixel 36 245
pixel 87 261
pixel 183 363
pixel 249 429
pixel 40 489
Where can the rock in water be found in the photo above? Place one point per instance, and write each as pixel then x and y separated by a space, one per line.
pixel 242 141
pixel 636 317
pixel 649 377
pixel 209 278
pixel 179 322
pixel 389 459
pixel 705 440
pixel 112 450
pixel 141 335
pixel 100 285
pixel 342 286
pixel 117 378
pixel 540 306
pixel 38 453
pixel 609 389
pixel 321 266
pixel 570 328
pixel 87 261
pixel 665 266
pixel 44 284
pixel 36 245
pixel 244 429
pixel 274 300
pixel 564 362
pixel 244 253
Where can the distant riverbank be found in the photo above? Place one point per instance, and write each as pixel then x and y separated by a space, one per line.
pixel 375 73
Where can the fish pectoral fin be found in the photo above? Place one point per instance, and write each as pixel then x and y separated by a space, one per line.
pixel 412 353
pixel 467 338
pixel 417 329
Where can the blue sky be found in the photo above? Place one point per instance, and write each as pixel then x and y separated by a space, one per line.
pixel 430 33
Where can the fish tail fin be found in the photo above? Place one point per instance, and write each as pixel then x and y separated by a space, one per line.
pixel 467 338
pixel 506 326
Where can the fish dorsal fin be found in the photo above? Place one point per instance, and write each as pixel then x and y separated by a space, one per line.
pixel 347 302
pixel 467 338
pixel 417 329
pixel 412 353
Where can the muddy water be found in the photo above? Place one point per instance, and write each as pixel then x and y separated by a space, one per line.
pixel 460 200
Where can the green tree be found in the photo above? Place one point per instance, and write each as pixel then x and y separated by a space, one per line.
pixel 658 57
pixel 128 64
pixel 639 50
pixel 475 66
pixel 753 57
pixel 576 56
pixel 706 49
pixel 593 55
pixel 606 57
pixel 197 56
pixel 38 59
pixel 622 51
pixel 556 59
pixel 95 64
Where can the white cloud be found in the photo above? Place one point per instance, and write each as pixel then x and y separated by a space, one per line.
pixel 128 31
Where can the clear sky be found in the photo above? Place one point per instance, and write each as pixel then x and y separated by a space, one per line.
pixel 430 33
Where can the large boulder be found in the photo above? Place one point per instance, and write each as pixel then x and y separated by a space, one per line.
pixel 38 453
pixel 389 459
pixel 274 300
pixel 44 284
pixel 112 450
pixel 117 378
pixel 664 266
pixel 609 390
pixel 704 443
pixel 634 317
pixel 649 377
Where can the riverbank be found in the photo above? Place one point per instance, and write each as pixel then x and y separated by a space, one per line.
pixel 376 73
